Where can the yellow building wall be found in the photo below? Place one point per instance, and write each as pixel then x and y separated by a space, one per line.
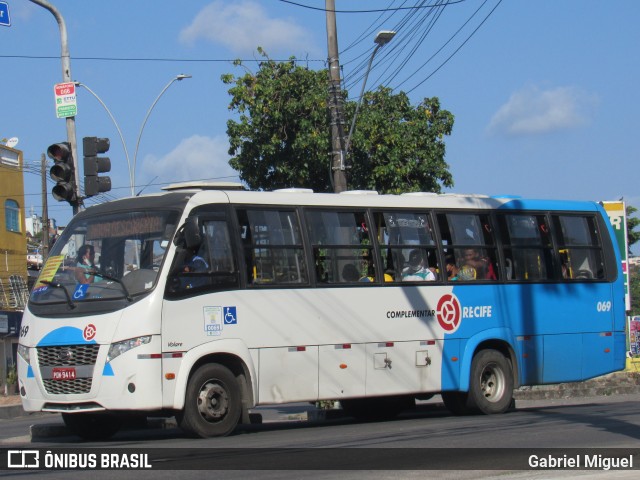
pixel 13 245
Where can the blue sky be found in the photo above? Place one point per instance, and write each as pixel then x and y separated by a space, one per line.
pixel 544 92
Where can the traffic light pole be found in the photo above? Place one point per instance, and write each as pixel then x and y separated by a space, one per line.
pixel 66 77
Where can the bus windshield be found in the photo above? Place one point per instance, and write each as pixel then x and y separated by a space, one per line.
pixel 106 257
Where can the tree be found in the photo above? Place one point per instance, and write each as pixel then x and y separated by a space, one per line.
pixel 632 223
pixel 400 148
pixel 281 137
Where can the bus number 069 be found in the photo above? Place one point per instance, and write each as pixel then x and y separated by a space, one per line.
pixel 603 306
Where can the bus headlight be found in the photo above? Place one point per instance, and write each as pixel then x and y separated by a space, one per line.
pixel 24 353
pixel 119 348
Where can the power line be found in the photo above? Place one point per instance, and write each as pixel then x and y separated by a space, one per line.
pixel 457 49
pixel 132 59
pixel 369 31
pixel 410 27
pixel 413 31
pixel 372 10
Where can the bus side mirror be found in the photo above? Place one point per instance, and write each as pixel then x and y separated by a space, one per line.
pixel 192 236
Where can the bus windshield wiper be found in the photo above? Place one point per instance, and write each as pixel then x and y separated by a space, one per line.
pixel 96 273
pixel 64 289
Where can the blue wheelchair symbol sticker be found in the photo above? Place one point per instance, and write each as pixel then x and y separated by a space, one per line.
pixel 81 291
pixel 230 317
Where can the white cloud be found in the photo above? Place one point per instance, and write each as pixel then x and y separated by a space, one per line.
pixel 244 25
pixel 195 158
pixel 534 111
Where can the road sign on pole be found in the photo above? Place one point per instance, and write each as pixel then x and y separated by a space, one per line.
pixel 4 14
pixel 65 99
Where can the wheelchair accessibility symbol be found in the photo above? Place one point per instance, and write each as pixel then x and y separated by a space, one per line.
pixel 81 291
pixel 230 317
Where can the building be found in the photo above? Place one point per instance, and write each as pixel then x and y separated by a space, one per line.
pixel 13 249
pixel 33 224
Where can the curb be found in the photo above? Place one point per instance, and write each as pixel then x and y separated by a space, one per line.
pixel 11 411
pixel 617 383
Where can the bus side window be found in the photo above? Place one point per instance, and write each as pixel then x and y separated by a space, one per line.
pixel 408 247
pixel 342 249
pixel 580 248
pixel 209 264
pixel 272 245
pixel 470 238
pixel 527 246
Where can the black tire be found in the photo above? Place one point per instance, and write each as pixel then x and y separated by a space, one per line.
pixel 456 402
pixel 212 403
pixel 491 383
pixel 378 408
pixel 92 426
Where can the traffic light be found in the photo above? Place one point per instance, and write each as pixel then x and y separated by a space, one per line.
pixel 63 173
pixel 93 165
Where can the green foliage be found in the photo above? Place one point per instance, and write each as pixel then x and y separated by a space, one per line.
pixel 281 137
pixel 397 147
pixel 632 223
pixel 12 375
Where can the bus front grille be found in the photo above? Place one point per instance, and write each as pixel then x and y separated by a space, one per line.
pixel 68 387
pixel 68 355
pixel 78 359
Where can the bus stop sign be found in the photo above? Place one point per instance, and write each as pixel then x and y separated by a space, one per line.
pixel 4 14
pixel 65 99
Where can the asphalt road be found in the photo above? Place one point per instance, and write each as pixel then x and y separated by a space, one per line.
pixel 428 438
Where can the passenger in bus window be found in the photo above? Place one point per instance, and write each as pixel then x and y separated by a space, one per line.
pixel 350 273
pixel 475 266
pixel 452 269
pixel 416 270
pixel 565 271
pixel 85 263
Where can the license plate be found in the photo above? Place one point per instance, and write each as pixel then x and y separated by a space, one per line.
pixel 64 373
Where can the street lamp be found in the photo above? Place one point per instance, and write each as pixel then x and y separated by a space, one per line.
pixel 382 38
pixel 124 145
pixel 135 155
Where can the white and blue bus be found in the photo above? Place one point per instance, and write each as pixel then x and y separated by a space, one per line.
pixel 205 301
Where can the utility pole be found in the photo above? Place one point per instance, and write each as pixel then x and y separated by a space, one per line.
pixel 336 104
pixel 66 77
pixel 45 209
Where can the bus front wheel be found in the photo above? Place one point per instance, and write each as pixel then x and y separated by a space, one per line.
pixel 212 403
pixel 491 383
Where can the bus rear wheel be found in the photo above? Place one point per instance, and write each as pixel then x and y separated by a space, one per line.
pixel 92 426
pixel 212 403
pixel 491 383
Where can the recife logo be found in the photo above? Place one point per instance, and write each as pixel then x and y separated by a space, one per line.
pixel 89 332
pixel 449 312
